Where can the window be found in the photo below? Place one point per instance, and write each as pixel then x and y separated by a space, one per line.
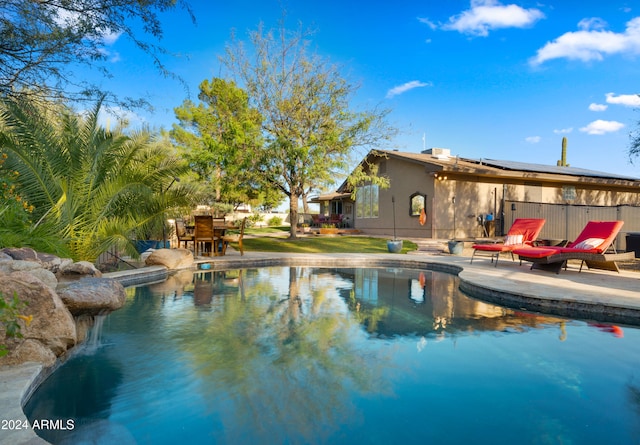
pixel 417 202
pixel 367 201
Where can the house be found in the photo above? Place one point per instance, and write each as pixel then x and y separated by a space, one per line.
pixel 467 199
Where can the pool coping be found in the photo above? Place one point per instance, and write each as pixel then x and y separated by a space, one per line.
pixel 583 295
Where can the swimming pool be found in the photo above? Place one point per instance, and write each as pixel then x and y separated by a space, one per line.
pixel 352 355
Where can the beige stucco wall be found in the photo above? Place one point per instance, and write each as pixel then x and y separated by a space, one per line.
pixel 474 196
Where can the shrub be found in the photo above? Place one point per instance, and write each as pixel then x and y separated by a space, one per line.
pixel 9 316
pixel 274 221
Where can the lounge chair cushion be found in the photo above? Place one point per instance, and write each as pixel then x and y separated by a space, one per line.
pixel 537 252
pixel 589 243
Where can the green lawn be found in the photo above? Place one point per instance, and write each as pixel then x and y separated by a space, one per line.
pixel 322 244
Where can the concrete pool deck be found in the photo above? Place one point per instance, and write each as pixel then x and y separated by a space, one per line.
pixel 590 294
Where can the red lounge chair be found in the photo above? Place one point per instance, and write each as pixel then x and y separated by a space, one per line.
pixel 590 247
pixel 521 235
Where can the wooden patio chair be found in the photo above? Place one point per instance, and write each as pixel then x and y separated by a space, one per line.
pixel 234 238
pixel 203 236
pixel 182 235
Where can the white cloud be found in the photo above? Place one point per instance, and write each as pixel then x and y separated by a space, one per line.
pixel 486 15
pixel 533 139
pixel 592 42
pixel 600 127
pixel 112 117
pixel 397 90
pixel 598 107
pixel 564 131
pixel 628 100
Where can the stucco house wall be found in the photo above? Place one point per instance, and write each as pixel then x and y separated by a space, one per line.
pixel 462 192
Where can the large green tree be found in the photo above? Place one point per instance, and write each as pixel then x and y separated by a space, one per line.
pixel 41 41
pixel 92 186
pixel 219 136
pixel 309 126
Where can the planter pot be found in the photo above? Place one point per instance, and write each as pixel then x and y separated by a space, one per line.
pixel 394 246
pixel 456 247
pixel 328 231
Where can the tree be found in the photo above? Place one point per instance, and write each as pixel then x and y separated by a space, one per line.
pixel 40 40
pixel 218 137
pixel 94 187
pixel 309 129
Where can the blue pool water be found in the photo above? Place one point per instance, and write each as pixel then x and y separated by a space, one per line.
pixel 293 355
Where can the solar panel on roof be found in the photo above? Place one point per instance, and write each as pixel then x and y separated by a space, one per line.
pixel 541 168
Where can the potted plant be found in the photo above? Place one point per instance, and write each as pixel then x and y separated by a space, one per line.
pixel 395 245
pixel 455 246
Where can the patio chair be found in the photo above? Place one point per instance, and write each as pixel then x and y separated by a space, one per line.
pixel 234 238
pixel 521 235
pixel 182 235
pixel 590 247
pixel 203 236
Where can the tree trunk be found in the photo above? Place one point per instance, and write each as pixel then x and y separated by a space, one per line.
pixel 293 215
pixel 305 204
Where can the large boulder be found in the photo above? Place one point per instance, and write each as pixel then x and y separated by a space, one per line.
pixel 52 324
pixel 80 268
pixel 171 258
pixel 92 296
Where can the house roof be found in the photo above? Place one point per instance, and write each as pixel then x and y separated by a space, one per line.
pixel 493 167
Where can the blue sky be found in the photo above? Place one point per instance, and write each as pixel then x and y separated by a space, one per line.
pixel 486 79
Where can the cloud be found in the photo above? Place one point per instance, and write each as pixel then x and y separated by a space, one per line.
pixel 600 127
pixel 486 15
pixel 598 107
pixel 628 100
pixel 592 42
pixel 564 131
pixel 112 117
pixel 397 90
pixel 533 139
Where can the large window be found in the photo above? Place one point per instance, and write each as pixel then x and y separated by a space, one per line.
pixel 367 201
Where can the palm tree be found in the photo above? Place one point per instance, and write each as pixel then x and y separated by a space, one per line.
pixel 95 186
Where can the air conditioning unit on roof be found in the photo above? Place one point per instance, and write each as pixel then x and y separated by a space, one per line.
pixel 438 153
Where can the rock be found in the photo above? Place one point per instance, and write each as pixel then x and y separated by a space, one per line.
pixel 46 276
pixel 22 253
pixel 171 258
pixel 17 265
pixel 27 350
pixel 92 296
pixel 52 325
pixel 79 268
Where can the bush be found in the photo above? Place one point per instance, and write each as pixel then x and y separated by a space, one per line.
pixel 274 221
pixel 9 315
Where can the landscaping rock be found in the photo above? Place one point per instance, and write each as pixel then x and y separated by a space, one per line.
pixel 92 296
pixel 79 268
pixel 171 258
pixel 27 350
pixel 52 324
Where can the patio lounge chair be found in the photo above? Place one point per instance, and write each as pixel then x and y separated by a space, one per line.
pixel 590 247
pixel 522 233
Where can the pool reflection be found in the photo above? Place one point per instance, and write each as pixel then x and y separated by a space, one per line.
pixel 272 355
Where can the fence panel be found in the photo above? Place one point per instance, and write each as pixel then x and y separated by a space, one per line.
pixel 564 221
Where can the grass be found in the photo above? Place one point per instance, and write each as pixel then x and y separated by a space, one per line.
pixel 322 244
